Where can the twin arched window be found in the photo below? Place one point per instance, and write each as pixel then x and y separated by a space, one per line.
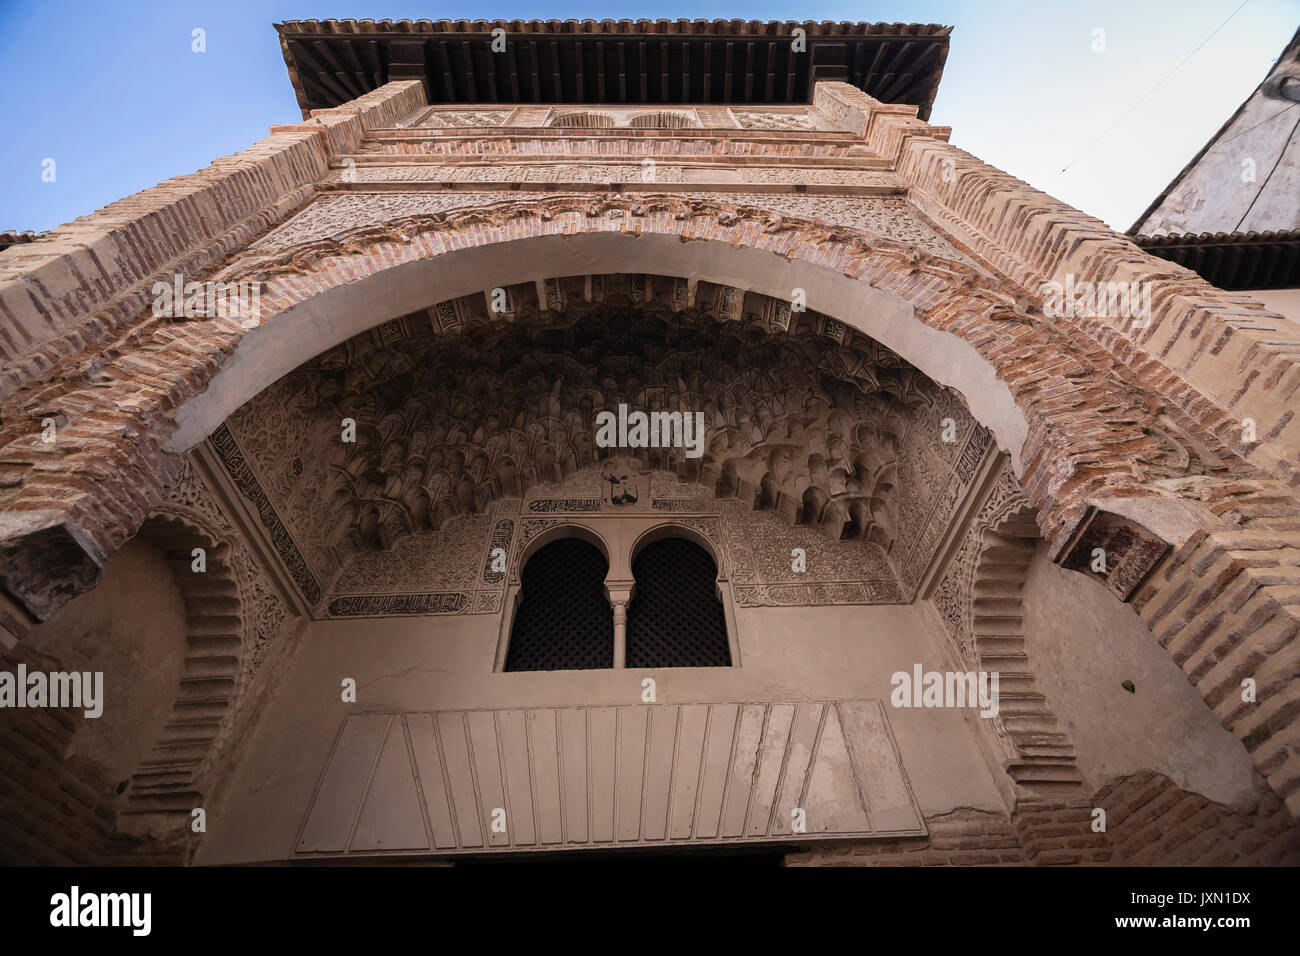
pixel 565 620
pixel 659 119
pixel 575 120
pixel 675 618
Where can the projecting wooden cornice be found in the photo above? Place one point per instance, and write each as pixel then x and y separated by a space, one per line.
pixel 613 61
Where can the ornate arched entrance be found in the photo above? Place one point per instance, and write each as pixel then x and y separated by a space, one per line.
pixel 1092 450
pixel 412 403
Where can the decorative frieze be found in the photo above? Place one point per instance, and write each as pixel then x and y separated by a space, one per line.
pixel 771 119
pixel 329 215
pixel 404 506
pixel 263 613
pixel 334 214
pixel 385 605
pixel 227 448
pixel 635 175
pixel 452 119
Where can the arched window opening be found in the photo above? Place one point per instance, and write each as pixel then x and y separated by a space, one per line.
pixel 576 120
pixel 662 120
pixel 675 618
pixel 564 621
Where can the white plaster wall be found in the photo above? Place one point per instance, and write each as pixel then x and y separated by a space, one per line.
pixel 446 662
pixel 1083 643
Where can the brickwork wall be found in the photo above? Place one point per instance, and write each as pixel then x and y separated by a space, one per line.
pixel 83 281
pixel 1149 822
pixel 1209 351
pixel 54 811
pixel 1153 823
pixel 1226 606
pixel 1073 409
pixel 1060 835
pixel 964 837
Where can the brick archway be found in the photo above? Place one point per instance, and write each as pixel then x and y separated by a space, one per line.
pixel 1044 395
pixel 167 785
pixel 1060 408
pixel 1044 766
pixel 1084 435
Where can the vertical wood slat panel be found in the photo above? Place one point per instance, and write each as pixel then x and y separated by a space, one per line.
pixel 543 733
pixel 629 774
pixel 452 732
pixel 602 768
pixel 486 755
pixel 512 730
pixel 391 817
pixel 433 780
pixel 771 759
pixel 343 787
pixel 633 724
pixel 744 762
pixel 660 750
pixel 686 788
pixel 890 803
pixel 573 731
pixel 800 745
pixel 722 722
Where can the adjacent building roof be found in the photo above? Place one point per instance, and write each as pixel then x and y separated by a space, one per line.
pixel 1247 177
pixel 613 61
pixel 1233 213
pixel 1234 260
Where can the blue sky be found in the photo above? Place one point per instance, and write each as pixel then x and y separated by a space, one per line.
pixel 113 93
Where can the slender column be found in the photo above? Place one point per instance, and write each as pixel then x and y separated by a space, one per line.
pixel 620 635
pixel 618 599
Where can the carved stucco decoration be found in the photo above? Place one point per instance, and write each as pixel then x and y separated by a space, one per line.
pixel 1129 413
pixel 889 218
pixel 331 216
pixel 671 487
pixel 724 303
pixel 755 119
pixel 810 424
pixel 632 174
pixel 942 472
pixel 575 146
pixel 234 618
pixel 952 596
pixel 513 172
pixel 1116 550
pixel 834 108
pixel 451 556
pixel 444 428
pixel 265 613
pixel 455 564
pixel 917 250
pixel 455 118
pixel 1180 454
pixel 760 546
pixel 246 481
pixel 980 600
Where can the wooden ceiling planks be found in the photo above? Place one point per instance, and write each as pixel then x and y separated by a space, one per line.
pixel 614 62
